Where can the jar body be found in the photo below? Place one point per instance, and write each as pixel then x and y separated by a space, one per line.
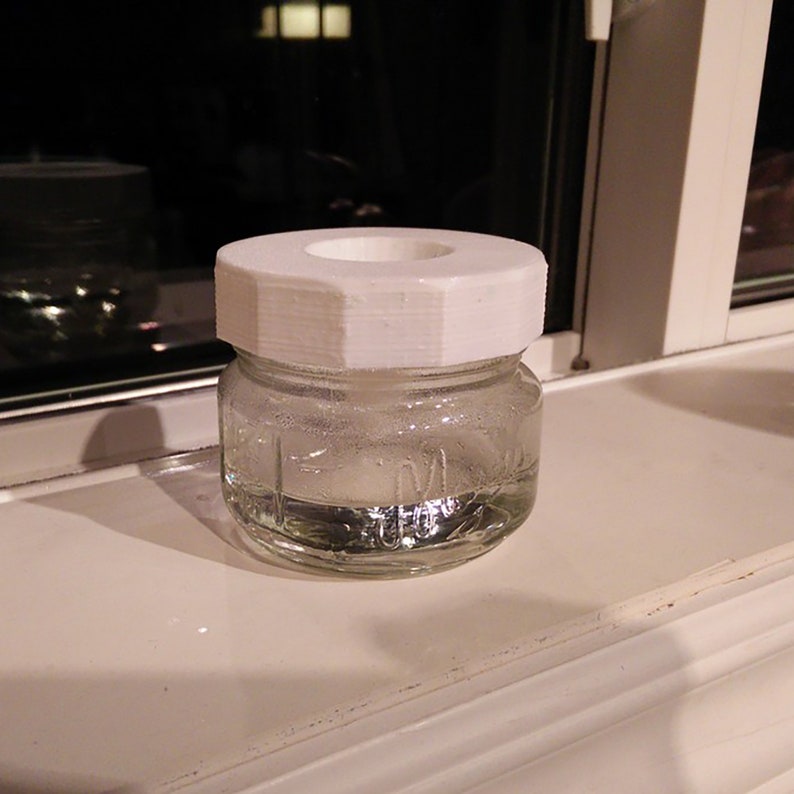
pixel 379 472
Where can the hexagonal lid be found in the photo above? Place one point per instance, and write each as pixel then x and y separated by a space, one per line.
pixel 363 298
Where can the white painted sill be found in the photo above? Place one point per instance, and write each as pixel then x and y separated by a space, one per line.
pixel 635 635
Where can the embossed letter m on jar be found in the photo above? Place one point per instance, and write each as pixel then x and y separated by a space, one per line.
pixel 377 419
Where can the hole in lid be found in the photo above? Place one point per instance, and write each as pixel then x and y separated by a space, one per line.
pixel 378 249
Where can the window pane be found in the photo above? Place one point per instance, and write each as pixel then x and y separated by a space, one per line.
pixel 765 264
pixel 139 137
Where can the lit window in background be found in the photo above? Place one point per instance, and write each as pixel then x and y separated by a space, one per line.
pixel 305 20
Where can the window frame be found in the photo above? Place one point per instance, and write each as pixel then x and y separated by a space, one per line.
pixel 657 278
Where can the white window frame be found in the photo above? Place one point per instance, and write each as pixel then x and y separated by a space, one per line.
pixel 677 119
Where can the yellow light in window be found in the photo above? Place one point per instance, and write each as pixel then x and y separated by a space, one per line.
pixel 301 20
pixel 336 21
pixel 269 29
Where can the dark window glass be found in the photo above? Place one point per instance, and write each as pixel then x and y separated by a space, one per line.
pixel 139 137
pixel 765 265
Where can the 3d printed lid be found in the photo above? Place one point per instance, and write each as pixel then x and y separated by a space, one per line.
pixel 379 297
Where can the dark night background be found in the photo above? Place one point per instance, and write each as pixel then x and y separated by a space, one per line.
pixel 433 113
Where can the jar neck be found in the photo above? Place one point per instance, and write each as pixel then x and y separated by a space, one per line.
pixel 268 371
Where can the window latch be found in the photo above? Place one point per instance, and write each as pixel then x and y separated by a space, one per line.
pixel 600 14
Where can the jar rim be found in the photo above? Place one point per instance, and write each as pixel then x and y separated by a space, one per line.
pixel 268 371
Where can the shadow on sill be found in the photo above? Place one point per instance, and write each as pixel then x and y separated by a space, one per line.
pixel 761 399
pixel 177 504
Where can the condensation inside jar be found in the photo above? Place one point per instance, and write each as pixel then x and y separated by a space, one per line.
pixel 401 460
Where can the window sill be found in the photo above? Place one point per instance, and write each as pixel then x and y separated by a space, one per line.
pixel 635 631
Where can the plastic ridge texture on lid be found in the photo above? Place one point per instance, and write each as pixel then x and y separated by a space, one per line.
pixel 364 298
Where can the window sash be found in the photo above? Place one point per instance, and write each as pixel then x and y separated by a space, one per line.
pixel 682 86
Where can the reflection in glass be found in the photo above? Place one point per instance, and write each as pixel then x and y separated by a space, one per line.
pixel 75 253
pixel 249 117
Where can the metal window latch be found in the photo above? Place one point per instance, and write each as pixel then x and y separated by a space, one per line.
pixel 600 14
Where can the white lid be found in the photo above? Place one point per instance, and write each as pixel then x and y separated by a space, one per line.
pixel 362 298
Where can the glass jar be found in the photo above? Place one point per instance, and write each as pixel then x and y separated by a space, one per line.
pixel 381 470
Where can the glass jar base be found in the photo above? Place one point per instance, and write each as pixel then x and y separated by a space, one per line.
pixel 268 545
pixel 386 541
